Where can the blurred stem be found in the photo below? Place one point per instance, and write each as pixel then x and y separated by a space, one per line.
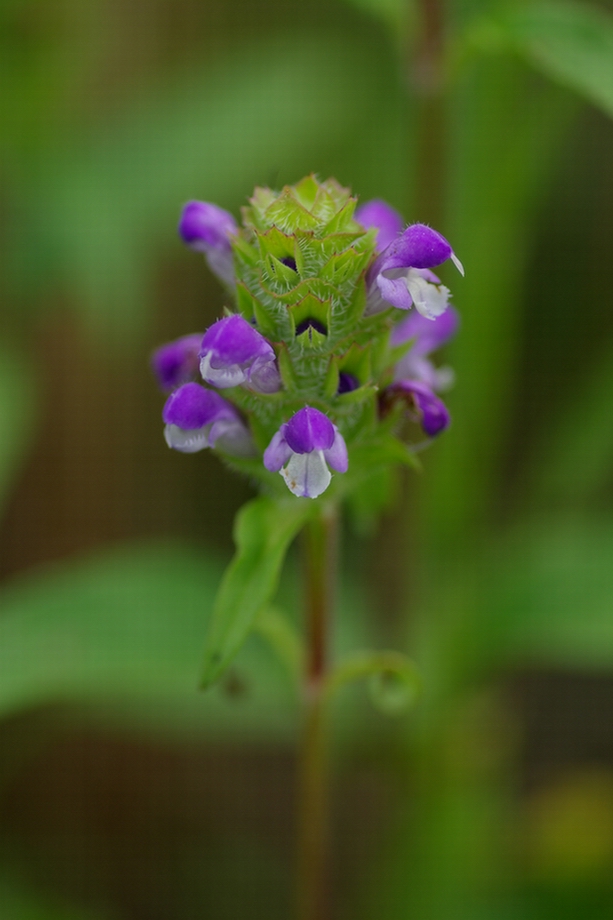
pixel 396 573
pixel 320 552
pixel 427 79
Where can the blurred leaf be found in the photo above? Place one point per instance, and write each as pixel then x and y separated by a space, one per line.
pixel 20 904
pixel 263 532
pixel 575 459
pixel 394 13
pixel 283 638
pixel 99 213
pixel 571 43
pixel 17 415
pixel 502 168
pixel 543 596
pixel 124 631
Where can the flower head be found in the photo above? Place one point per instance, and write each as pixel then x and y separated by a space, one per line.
pixel 302 450
pixel 233 352
pixel 427 336
pixel 401 274
pixel 177 362
pixel 207 228
pixel 196 418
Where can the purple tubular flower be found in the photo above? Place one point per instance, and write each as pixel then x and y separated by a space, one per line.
pixel 302 450
pixel 432 411
pixel 427 335
pixel 233 352
pixel 379 214
pixel 177 362
pixel 196 418
pixel 401 275
pixel 207 228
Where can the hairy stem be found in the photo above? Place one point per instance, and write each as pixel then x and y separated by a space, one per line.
pixel 320 577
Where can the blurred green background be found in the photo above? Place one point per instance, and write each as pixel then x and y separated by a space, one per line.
pixel 125 794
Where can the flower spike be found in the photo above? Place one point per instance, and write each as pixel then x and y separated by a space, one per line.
pixel 302 450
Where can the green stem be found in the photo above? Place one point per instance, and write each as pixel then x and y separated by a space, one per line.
pixel 320 577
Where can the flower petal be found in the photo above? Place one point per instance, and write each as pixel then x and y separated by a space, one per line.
pixel 187 441
pixel 205 226
pixel 430 299
pixel 433 411
pixel 222 377
pixel 191 407
pixel 232 340
pixel 308 430
pixel 418 247
pixel 428 334
pixel 208 228
pixel 278 451
pixel 307 475
pixel 336 455
pixel 176 362
pixel 379 214
pixel 233 437
pixel 264 376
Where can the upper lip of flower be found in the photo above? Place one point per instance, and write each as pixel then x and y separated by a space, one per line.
pixel 233 352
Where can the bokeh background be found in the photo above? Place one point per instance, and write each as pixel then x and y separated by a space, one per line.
pixel 124 793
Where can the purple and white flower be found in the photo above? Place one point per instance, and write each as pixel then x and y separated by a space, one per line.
pixel 177 362
pixel 196 418
pixel 430 408
pixel 208 229
pixel 233 353
pixel 303 449
pixel 400 276
pixel 427 336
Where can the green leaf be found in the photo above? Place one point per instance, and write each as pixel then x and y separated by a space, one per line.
pixel 572 43
pixel 575 462
pixel 263 532
pixel 121 634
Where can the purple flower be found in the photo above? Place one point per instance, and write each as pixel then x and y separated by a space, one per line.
pixel 379 214
pixel 233 352
pixel 401 275
pixel 427 335
pixel 302 450
pixel 432 411
pixel 207 228
pixel 177 362
pixel 196 418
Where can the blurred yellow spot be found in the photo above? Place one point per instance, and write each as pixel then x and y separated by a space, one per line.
pixel 569 827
